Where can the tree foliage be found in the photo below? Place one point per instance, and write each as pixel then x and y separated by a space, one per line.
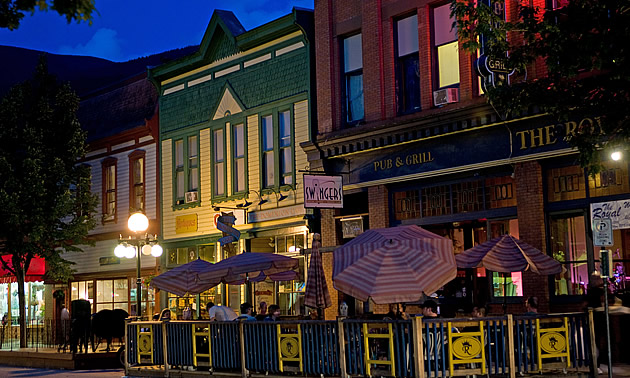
pixel 584 47
pixel 45 198
pixel 12 11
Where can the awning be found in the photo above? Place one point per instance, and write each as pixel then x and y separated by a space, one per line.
pixel 35 272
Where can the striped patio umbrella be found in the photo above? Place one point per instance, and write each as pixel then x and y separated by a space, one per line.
pixel 394 265
pixel 249 266
pixel 183 280
pixel 507 254
pixel 316 293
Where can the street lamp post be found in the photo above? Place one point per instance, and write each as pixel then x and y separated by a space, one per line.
pixel 138 223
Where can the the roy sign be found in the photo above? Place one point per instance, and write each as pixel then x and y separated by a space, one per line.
pixel 323 191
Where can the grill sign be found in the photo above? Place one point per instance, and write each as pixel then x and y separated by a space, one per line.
pixel 323 191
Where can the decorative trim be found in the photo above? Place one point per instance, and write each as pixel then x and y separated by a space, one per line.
pixel 228 70
pixel 289 48
pixel 173 89
pixel 199 80
pixel 254 61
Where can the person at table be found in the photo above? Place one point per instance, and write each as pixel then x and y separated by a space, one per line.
pixel 220 313
pixel 274 313
pixel 531 305
pixel 429 309
pixel 262 311
pixel 246 312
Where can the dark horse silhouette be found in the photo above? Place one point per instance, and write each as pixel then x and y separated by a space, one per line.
pixel 107 324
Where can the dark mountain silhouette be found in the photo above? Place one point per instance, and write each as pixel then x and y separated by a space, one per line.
pixel 86 74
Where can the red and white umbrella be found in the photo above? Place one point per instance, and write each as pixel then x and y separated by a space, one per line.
pixel 394 265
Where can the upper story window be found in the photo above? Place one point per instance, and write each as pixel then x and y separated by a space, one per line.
pixel 353 78
pixel 187 169
pixel 407 65
pixel 268 161
pixel 136 181
pixel 277 158
pixel 445 48
pixel 218 142
pixel 239 158
pixel 109 189
pixel 555 4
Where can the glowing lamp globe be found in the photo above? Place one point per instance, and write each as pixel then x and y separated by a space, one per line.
pixel 130 252
pixel 616 156
pixel 146 249
pixel 138 222
pixel 156 250
pixel 120 251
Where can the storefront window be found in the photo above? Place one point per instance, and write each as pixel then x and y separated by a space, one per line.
pixel 508 284
pixel 620 278
pixel 82 290
pixel 568 245
pixel 34 292
pixel 291 293
pixel 148 299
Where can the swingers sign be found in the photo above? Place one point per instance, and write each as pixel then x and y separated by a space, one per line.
pixel 323 191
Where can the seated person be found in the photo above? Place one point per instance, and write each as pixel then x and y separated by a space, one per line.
pixel 274 313
pixel 246 312
pixel 220 313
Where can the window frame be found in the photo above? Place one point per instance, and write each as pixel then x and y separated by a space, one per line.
pixel 180 201
pixel 234 157
pixel 346 75
pixel 278 175
pixel 133 157
pixel 435 63
pixel 400 61
pixel 213 161
pixel 105 166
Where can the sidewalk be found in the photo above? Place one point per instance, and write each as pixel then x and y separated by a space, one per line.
pixel 619 370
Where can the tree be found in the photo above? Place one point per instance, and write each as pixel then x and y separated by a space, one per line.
pixel 45 198
pixel 12 11
pixel 586 72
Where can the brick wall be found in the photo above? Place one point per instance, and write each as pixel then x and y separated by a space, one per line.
pixel 531 225
pixel 378 206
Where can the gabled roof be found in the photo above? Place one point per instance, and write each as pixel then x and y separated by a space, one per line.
pixel 225 36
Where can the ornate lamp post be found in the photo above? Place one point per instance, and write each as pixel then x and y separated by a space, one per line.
pixel 138 223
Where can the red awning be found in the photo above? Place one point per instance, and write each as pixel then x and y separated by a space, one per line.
pixel 35 271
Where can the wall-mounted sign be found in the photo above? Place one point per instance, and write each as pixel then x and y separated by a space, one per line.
pixel 278 213
pixel 352 227
pixel 618 212
pixel 108 260
pixel 186 223
pixel 323 191
pixel 238 214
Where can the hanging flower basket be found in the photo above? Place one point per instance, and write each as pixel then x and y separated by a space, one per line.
pixel 59 294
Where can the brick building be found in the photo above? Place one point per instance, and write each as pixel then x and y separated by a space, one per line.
pixel 402 118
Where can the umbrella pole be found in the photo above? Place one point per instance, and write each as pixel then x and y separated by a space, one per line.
pixel 504 293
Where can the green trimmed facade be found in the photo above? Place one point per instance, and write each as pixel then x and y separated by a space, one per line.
pixel 232 118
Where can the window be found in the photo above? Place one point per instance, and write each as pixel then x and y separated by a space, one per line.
pixel 179 169
pixel 568 246
pixel 82 290
pixel 407 65
pixel 268 153
pixel 445 49
pixel 277 159
pixel 136 184
pixel 286 152
pixel 218 138
pixel 193 164
pixel 186 169
pixel 353 78
pixel 239 158
pixel 109 189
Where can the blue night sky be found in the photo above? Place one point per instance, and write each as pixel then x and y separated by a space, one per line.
pixel 124 30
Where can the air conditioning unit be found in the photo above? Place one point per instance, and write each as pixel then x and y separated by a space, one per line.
pixel 445 96
pixel 191 197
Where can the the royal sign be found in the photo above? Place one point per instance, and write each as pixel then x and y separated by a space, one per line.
pixel 323 191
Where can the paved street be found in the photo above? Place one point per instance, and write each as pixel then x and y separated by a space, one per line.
pixel 12 371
